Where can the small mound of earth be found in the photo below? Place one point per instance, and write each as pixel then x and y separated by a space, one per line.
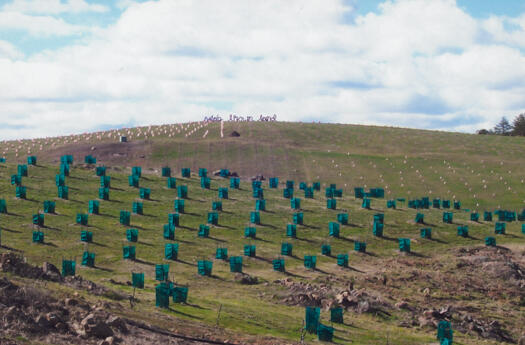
pixel 235 134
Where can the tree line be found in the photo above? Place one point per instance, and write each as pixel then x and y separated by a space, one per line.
pixel 503 127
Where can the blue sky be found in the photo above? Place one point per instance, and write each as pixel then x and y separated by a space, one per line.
pixel 81 65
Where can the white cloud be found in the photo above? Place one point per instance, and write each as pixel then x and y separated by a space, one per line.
pixel 52 6
pixel 416 63
pixel 9 51
pixel 39 26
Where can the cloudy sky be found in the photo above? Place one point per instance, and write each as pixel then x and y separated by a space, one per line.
pixel 71 66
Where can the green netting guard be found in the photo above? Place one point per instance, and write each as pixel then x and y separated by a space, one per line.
pixel 448 217
pixel 359 192
pixel 413 204
pixel 445 203
pixel 278 265
pixel 258 193
pixel 205 182
pixel 310 261
pixel 338 193
pixel 391 204
pixel 426 233
pixel 331 204
pixel 235 182
pixel 89 159
pixel 249 250
pixel 185 172
pixel 273 182
pixel 316 186
pixel 221 253
pixel 3 206
pixel 366 203
pixel 82 219
pixel 523 229
pixel 298 218
pixel 60 180
pixel 171 182
pixel 302 185
pixel 425 202
pixel 137 280
pixel 129 252
pixel 457 205
pixel 436 203
pixel 444 330
pixel 291 230
pixel 86 236
pixel 379 218
pixel 286 249
pixel 377 193
pixel 103 193
pixel 203 172
pixel 182 192
pixel 290 184
pixel 213 218
pixel 224 173
pixel 65 169
pixel 88 259
pixel 255 217
pixel 166 172
pixel 66 159
pixel 333 229
pixel 178 205
pixel 342 260
pixel 174 219
pixel 420 218
pixel 145 193
pixel 137 207
pixel 236 264
pixel 288 193
pixel 132 235
pixel 38 237
pixel 336 315
pixel 2 160
pixel 21 192
pixel 499 228
pixel 171 251
pixel 329 193
pixel 125 217
pixel 311 319
pixel 487 216
pixel 133 181
pixel 325 333
pixel 223 193
pixel 256 184
pixel 521 216
pixel 342 218
pixel 105 181
pixel 22 170
pixel 463 231
pixel 474 216
pixel 204 231
pixel 100 171
pixel 63 192
pixel 38 219
pixel 360 247
pixel 216 205
pixel 204 267
pixel 295 203
pixel 16 179
pixel 180 294
pixel 490 241
pixel 162 272
pixel 250 232
pixel 404 245
pixel 136 171
pixel 260 205
pixel 68 268
pixel 378 229
pixel 309 193
pixel 162 295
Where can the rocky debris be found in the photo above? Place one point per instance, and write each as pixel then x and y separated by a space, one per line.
pixel 234 134
pixel 259 177
pixel 522 340
pixel 431 317
pixel 10 262
pixel 484 328
pixel 93 326
pixel 245 279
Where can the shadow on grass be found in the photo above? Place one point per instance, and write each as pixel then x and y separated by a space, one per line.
pixel 262 259
pixel 50 244
pixel 346 239
pixel 99 244
pixel 216 239
pixel 11 248
pixel 14 214
pixel 184 314
pixel 144 262
pixel 290 274
pixel 438 241
pixel 185 262
pixel 11 230
pixel 268 226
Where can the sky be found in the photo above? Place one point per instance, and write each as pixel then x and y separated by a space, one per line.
pixel 74 66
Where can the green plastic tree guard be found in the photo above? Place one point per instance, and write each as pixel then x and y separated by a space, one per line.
pixel 436 203
pixel 256 184
pixel 162 295
pixel 273 182
pixel 250 232
pixel 295 203
pixel 137 207
pixel 174 219
pixel 16 180
pixel 366 203
pixel 133 181
pixel 203 172
pixel 445 203
pixel 66 159
pixel 523 229
pixel 457 205
pixel 22 170
pixel 49 206
pixel 86 236
pixel 333 228
pixel 444 331
pixel 205 182
pixel 236 264
pixel 204 267
pixel 21 192
pixel 404 245
pixel 426 233
pixel 60 180
pixel 38 219
pixel 359 192
pixel 290 184
pixel 125 217
pixel 448 217
pixel 499 228
pixel 136 171
pixel 82 219
pixel 249 250
pixel 286 249
pixel 213 218
pixel 235 182
pixel 490 241
pixel 3 206
pixel 311 318
pixel 331 204
pixel 89 159
pixel 255 217
pixel 329 192
pixel 169 232
pixel 298 218
pixel 342 260
pixel 463 231
pixel 278 265
pixel 474 216
pixel 63 192
pixel 88 259
pixel 171 251
pixel 258 193
pixel 105 181
pixel 378 229
pixel 103 193
pixel 336 315
pixel 302 185
pixel 342 218
pixel 65 169
pixel 221 253
pixel 129 252
pixel 309 193
pixel 171 182
pixel 93 206
pixel 288 193
pixel 260 205
pixel 68 268
pixel 132 235
pixel 223 193
pixel 100 171
pixel 316 186
pixel 137 280
pixel 391 204
pixel 204 231
pixel 310 261
pixel 224 173
pixel 360 247
pixel 145 193
pixel 216 205
pixel 420 218
pixel 325 333
pixel 180 294
pixel 291 230
pixel 166 172
pixel 2 160
pixel 186 172
pixel 182 192
pixel 162 272
pixel 178 205
pixel 38 237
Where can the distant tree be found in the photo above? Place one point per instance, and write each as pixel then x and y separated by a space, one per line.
pixel 503 127
pixel 483 132
pixel 518 125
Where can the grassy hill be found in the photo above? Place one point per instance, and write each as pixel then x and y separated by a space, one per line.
pixel 407 163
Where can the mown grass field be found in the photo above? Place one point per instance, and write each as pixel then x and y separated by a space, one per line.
pixel 407 163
